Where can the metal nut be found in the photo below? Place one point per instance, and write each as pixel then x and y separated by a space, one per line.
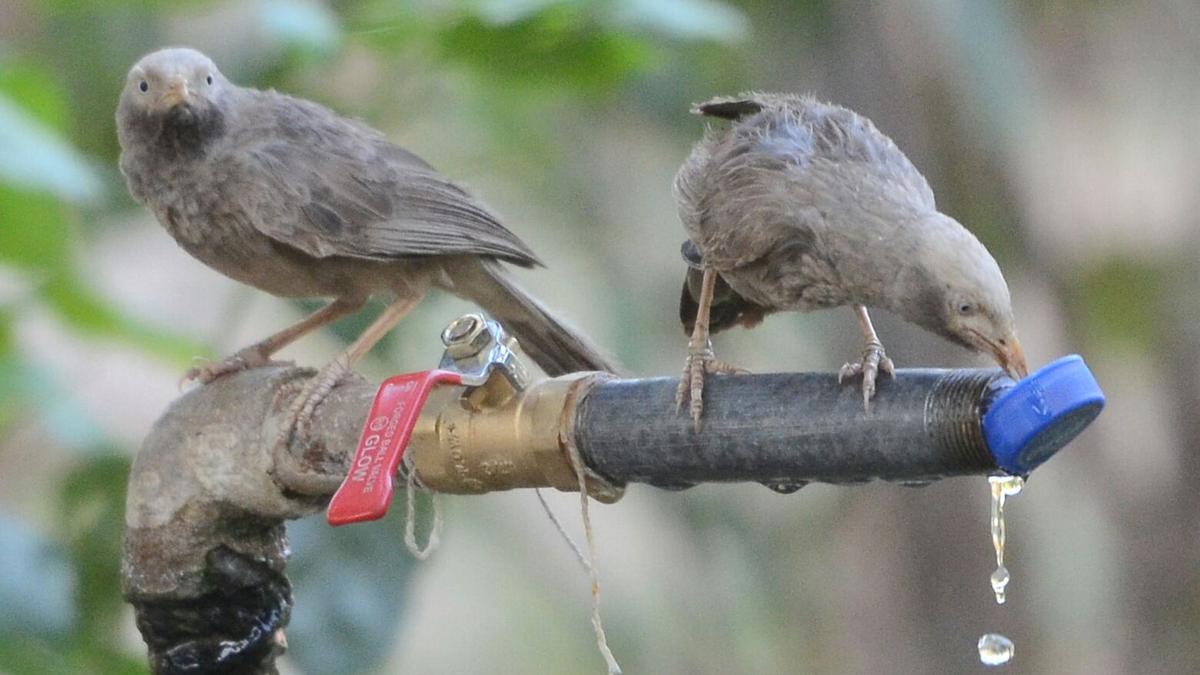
pixel 466 336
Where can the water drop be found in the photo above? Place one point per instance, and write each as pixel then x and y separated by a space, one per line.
pixel 1001 487
pixel 1011 485
pixel 999 583
pixel 995 649
pixel 785 488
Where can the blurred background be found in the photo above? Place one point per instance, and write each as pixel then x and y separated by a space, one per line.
pixel 1064 133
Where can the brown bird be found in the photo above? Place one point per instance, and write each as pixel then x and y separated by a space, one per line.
pixel 289 197
pixel 801 205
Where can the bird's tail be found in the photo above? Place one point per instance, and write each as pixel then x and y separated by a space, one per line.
pixel 556 348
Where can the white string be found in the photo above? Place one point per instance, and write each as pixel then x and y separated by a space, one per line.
pixel 579 555
pixel 597 624
pixel 412 484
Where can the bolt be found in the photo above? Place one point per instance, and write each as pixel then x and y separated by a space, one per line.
pixel 466 336
pixel 460 330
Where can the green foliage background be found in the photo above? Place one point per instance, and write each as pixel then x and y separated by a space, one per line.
pixel 1033 121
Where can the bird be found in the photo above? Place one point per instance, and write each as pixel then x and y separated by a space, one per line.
pixel 289 197
pixel 801 205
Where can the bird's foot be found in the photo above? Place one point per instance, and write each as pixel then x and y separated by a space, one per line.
pixel 245 359
pixel 873 360
pixel 691 382
pixel 314 391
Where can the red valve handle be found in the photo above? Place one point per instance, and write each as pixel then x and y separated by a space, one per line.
pixel 366 493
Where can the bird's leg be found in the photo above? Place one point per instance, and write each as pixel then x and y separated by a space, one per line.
pixel 700 358
pixel 259 354
pixel 318 387
pixel 873 359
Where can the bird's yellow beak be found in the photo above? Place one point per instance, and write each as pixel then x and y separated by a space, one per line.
pixel 1011 357
pixel 177 93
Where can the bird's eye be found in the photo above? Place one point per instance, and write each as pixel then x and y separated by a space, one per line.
pixel 965 308
pixel 143 86
pixel 208 79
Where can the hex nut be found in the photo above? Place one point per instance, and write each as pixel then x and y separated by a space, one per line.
pixel 466 336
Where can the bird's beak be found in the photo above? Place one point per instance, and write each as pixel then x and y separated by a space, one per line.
pixel 177 93
pixel 1008 352
pixel 1011 357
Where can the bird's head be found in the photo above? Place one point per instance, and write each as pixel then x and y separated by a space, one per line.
pixel 170 93
pixel 963 297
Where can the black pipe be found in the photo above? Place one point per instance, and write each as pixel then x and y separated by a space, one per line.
pixel 787 429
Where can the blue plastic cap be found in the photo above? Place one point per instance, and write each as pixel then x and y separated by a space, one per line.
pixel 1027 424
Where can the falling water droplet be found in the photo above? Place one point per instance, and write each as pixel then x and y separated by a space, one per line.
pixel 1011 485
pixel 999 582
pixel 995 649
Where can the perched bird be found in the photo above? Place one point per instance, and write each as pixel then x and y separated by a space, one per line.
pixel 289 197
pixel 801 205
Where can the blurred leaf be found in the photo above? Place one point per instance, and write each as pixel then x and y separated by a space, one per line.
pixel 88 313
pixel 10 400
pixel 1117 301
pixel 92 517
pixel 109 6
pixel 309 25
pixel 34 656
pixel 992 54
pixel 350 586
pixel 387 26
pixel 103 658
pixel 685 19
pixel 42 392
pixel 6 343
pixel 60 610
pixel 35 583
pixel 34 235
pixel 510 11
pixel 38 91
pixel 86 655
pixel 34 157
pixel 33 231
pixel 515 48
pixel 559 46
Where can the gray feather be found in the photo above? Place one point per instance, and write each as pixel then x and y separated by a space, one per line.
pixel 353 194
pixel 788 202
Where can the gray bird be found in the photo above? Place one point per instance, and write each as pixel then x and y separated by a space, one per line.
pixel 801 205
pixel 289 197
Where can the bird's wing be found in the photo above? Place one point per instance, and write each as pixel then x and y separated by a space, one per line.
pixel 773 179
pixel 363 199
pixel 740 207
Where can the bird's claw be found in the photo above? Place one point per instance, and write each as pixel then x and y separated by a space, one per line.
pixel 250 357
pixel 292 386
pixel 314 391
pixel 691 382
pixel 874 359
